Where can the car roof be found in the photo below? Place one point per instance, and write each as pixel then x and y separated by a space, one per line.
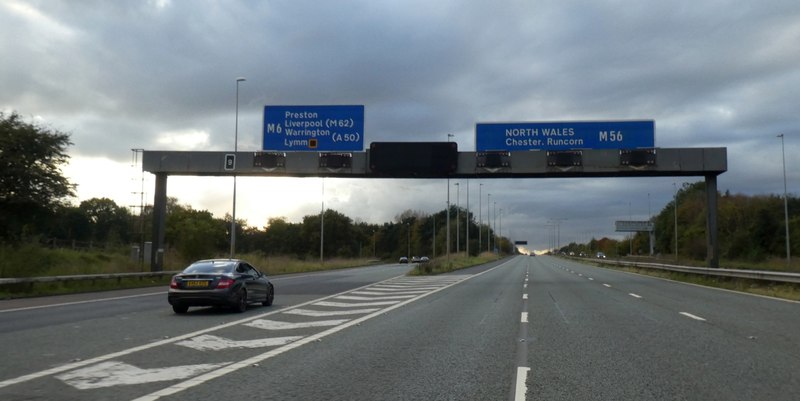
pixel 219 260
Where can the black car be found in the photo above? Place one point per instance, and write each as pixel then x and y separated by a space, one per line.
pixel 219 282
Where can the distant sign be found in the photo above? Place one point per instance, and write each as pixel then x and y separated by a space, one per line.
pixel 520 242
pixel 314 128
pixel 634 226
pixel 565 135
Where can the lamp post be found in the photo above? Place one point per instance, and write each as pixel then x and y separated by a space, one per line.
pixel 458 217
pixel 467 220
pixel 630 217
pixel 434 236
pixel 501 229
pixel 494 223
pixel 374 254
pixel 676 220
pixel 488 224
pixel 322 226
pixel 408 236
pixel 785 205
pixel 448 208
pixel 480 216
pixel 235 149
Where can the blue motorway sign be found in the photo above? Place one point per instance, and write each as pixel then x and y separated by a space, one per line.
pixel 314 128
pixel 565 135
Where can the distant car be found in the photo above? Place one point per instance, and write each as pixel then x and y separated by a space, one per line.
pixel 601 255
pixel 424 259
pixel 532 254
pixel 219 282
pixel 414 259
pixel 403 259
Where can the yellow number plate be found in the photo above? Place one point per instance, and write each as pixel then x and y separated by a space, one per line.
pixel 196 284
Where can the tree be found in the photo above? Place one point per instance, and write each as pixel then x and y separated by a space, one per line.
pixel 109 222
pixel 195 234
pixel 32 186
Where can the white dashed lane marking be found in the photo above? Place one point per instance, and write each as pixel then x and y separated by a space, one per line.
pixel 689 315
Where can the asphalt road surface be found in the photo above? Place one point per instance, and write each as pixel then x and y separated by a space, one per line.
pixel 536 328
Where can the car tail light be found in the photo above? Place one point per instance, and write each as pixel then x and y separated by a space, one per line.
pixel 173 283
pixel 225 282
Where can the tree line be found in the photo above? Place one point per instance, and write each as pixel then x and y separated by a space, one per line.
pixel 750 228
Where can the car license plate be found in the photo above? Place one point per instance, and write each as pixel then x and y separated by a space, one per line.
pixel 196 284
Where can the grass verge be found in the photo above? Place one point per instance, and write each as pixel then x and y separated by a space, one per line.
pixel 759 287
pixel 36 261
pixel 456 262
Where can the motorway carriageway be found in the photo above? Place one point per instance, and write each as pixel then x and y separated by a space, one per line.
pixel 536 328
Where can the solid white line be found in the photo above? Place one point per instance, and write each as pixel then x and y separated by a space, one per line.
pixel 689 315
pixel 84 302
pixel 522 386
pixel 634 295
pixel 176 388
pixel 524 318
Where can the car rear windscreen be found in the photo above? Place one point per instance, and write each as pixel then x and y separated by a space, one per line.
pixel 210 268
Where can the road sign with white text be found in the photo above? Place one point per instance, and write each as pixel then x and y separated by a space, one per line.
pixel 633 226
pixel 314 128
pixel 565 135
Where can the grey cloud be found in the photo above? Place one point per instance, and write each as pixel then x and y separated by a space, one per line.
pixel 120 75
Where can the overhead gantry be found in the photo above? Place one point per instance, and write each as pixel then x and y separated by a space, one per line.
pixel 439 160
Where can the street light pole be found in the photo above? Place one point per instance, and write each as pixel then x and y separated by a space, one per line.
pixel 466 241
pixel 408 234
pixel 480 217
pixel 434 236
pixel 676 220
pixel 458 217
pixel 235 149
pixel 786 205
pixel 488 224
pixel 322 226
pixel 501 227
pixel 448 209
pixel 494 223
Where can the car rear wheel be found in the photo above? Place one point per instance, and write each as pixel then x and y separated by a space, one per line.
pixel 270 296
pixel 241 304
pixel 180 309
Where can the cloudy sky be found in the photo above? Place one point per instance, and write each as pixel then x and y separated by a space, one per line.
pixel 161 75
